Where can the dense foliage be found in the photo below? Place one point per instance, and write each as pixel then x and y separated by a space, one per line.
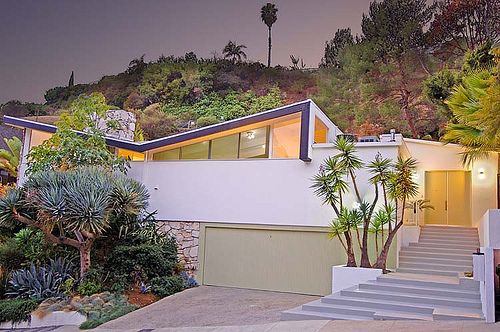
pixel 74 207
pixel 16 310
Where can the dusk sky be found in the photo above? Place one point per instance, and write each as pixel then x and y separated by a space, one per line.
pixel 42 41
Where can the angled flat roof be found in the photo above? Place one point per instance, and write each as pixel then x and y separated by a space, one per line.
pixel 303 107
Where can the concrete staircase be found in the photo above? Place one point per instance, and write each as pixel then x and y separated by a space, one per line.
pixel 440 250
pixel 428 285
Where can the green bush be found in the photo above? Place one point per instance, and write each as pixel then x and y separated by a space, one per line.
pixel 88 288
pixel 11 256
pixel 16 310
pixel 153 260
pixel 166 286
pixel 32 244
pixel 104 317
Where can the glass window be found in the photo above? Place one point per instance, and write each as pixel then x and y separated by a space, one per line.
pixel 253 143
pixel 225 147
pixel 167 155
pixel 286 138
pixel 195 151
pixel 320 131
pixel 131 155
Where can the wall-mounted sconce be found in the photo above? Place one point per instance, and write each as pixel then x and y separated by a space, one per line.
pixel 250 134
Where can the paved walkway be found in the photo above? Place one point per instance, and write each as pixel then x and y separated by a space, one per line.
pixel 323 326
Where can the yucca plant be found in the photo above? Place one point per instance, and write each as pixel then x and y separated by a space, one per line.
pixel 337 175
pixel 40 282
pixel 74 207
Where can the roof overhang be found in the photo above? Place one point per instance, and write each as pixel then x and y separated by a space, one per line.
pixel 303 107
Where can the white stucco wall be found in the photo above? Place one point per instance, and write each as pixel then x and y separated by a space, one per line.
pixel 246 191
pixel 434 156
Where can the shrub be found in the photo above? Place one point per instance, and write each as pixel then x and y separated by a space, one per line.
pixel 108 315
pixel 11 256
pixel 165 286
pixel 88 288
pixel 150 259
pixel 32 244
pixel 16 310
pixel 40 282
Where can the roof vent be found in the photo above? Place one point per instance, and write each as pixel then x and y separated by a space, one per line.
pixel 369 139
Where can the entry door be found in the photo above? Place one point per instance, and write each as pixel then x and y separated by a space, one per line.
pixel 449 194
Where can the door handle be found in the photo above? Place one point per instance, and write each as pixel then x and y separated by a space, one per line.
pixel 446 205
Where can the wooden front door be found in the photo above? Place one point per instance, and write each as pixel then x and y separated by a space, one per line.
pixel 449 193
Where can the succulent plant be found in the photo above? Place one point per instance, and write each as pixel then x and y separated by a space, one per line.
pixel 40 282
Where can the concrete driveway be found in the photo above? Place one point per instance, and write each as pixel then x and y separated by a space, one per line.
pixel 211 306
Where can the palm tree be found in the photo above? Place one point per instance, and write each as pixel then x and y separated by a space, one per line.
pixel 234 51
pixel 75 207
pixel 475 106
pixel 401 187
pixel 9 160
pixel 269 15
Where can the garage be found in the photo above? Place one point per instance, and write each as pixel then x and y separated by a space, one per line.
pixel 277 258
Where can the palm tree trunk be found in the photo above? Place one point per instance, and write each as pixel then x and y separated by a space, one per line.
pixel 269 50
pixel 351 259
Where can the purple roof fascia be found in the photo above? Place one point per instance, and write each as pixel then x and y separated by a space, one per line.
pixel 303 107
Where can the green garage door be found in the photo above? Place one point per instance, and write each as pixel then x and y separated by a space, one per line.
pixel 297 260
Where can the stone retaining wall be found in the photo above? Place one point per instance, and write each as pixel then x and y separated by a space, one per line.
pixel 187 236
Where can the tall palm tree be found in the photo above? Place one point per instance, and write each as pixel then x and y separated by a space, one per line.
pixel 9 160
pixel 475 106
pixel 234 51
pixel 269 15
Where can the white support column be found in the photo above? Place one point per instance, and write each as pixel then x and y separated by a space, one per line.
pixel 24 157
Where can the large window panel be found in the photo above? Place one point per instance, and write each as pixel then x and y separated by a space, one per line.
pixel 173 154
pixel 225 147
pixel 253 143
pixel 131 155
pixel 286 138
pixel 320 131
pixel 195 151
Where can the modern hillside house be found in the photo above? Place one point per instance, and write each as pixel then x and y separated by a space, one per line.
pixel 237 197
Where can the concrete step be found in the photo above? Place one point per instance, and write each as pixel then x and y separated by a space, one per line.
pixel 412 289
pixel 432 272
pixel 438 246
pixel 420 283
pixel 433 255
pixel 451 242
pixel 449 228
pixel 299 314
pixel 414 259
pixel 319 306
pixel 414 298
pixel 448 232
pixel 448 236
pixel 435 267
pixel 415 248
pixel 377 304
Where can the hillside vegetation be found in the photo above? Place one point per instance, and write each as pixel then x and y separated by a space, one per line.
pixel 396 74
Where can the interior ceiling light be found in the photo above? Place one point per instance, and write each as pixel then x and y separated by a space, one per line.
pixel 250 134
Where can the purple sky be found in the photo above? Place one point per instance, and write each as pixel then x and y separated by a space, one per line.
pixel 42 41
